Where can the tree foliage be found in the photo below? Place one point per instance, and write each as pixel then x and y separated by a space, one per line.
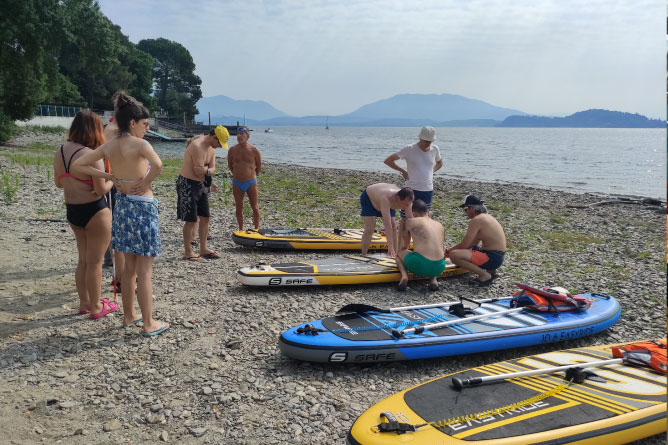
pixel 177 87
pixel 67 52
pixel 28 54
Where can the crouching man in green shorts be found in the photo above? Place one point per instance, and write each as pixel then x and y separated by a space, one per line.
pixel 427 257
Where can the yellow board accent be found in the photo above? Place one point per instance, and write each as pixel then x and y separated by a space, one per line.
pixel 513 420
pixel 545 382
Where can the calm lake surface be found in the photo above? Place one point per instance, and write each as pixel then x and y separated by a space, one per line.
pixel 600 160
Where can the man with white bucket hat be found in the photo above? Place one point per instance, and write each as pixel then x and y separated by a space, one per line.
pixel 422 159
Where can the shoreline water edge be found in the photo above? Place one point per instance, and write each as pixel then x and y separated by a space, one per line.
pixel 217 376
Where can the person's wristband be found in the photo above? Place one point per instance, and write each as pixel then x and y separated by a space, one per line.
pixel 207 171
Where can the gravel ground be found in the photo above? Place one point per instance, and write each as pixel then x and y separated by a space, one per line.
pixel 217 376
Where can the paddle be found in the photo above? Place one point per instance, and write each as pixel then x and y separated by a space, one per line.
pixel 361 308
pixel 459 384
pixel 399 334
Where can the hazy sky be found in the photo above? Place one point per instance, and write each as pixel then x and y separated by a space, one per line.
pixel 330 57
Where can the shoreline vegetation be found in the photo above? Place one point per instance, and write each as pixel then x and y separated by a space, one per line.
pixel 218 373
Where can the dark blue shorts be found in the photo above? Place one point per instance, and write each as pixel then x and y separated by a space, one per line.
pixel 368 209
pixel 487 259
pixel 423 195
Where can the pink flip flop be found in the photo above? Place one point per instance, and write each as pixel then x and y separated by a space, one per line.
pixel 84 312
pixel 107 308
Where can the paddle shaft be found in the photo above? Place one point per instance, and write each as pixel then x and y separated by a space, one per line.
pixel 463 320
pixel 447 303
pixel 474 381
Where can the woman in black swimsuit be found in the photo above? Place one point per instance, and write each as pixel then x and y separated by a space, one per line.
pixel 87 212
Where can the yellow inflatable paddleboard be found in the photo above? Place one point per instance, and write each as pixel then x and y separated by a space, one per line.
pixel 614 404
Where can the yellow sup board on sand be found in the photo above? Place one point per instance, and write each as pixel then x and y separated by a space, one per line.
pixel 615 404
pixel 348 269
pixel 307 239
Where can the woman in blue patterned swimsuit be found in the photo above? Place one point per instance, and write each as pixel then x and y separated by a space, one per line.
pixel 135 227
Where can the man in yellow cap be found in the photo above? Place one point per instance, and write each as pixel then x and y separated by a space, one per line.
pixel 199 163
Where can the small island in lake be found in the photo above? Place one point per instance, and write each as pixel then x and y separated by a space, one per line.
pixel 586 119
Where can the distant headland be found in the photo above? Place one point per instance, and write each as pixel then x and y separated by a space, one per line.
pixel 586 119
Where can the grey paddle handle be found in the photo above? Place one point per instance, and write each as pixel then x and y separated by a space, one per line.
pixel 474 381
pixel 459 321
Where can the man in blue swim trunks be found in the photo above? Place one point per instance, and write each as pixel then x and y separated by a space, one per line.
pixel 427 258
pixel 381 200
pixel 483 228
pixel 245 163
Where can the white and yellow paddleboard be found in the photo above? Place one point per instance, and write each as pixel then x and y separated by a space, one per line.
pixel 618 405
pixel 347 269
pixel 308 239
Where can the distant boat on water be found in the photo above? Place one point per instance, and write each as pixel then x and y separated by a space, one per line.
pixel 268 130
pixel 326 123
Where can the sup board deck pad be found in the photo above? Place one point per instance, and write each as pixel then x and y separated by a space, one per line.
pixel 308 238
pixel 368 336
pixel 619 404
pixel 347 269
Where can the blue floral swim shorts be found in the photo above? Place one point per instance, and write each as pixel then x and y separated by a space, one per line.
pixel 135 227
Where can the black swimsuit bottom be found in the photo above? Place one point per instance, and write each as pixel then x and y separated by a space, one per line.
pixel 80 214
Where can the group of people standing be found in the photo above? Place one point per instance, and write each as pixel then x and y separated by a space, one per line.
pixel 100 169
pixel 428 256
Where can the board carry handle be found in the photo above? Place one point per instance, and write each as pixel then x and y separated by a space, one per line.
pixel 420 329
pixel 460 384
pixel 361 308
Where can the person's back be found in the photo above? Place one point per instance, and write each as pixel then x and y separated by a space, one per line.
pixel 128 162
pixel 428 237
pixel 381 193
pixel 490 232
pixel 78 189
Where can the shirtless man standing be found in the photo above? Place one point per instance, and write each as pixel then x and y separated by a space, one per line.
pixel 245 163
pixel 381 200
pixel 482 228
pixel 427 257
pixel 199 163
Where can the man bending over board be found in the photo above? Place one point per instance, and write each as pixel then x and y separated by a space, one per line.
pixel 427 257
pixel 381 200
pixel 245 163
pixel 484 228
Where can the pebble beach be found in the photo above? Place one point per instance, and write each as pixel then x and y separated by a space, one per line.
pixel 217 376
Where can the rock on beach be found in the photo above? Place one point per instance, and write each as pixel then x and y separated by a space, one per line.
pixel 217 376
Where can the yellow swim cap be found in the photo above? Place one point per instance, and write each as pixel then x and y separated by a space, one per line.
pixel 223 135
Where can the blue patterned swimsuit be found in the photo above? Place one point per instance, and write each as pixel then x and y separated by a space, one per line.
pixel 135 227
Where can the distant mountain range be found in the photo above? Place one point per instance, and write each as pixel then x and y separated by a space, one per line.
pixel 412 110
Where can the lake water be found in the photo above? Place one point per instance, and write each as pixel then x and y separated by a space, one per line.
pixel 600 160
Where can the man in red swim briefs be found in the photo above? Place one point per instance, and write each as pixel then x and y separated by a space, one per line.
pixel 484 228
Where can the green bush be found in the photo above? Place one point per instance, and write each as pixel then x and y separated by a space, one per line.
pixel 9 185
pixel 7 128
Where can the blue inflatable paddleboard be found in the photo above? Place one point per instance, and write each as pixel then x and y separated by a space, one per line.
pixel 367 334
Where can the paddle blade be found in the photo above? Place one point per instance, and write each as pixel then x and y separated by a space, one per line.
pixel 356 308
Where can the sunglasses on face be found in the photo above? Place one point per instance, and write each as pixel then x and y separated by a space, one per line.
pixel 242 130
